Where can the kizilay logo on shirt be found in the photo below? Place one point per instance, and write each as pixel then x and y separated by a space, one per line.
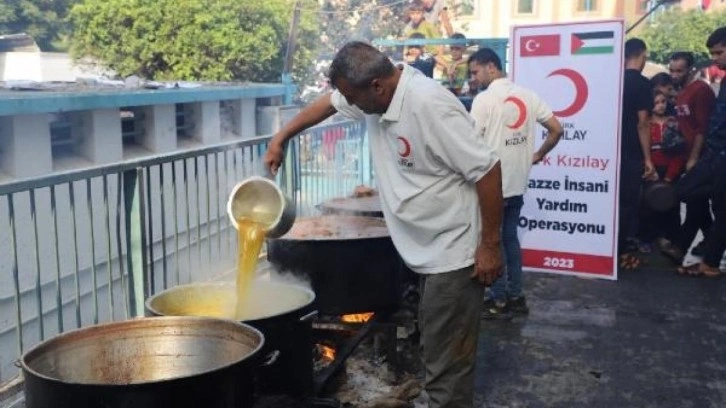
pixel 405 159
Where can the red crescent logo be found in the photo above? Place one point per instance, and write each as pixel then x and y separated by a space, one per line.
pixel 522 108
pixel 406 151
pixel 581 91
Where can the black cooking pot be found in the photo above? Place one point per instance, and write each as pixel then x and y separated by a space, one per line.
pixel 184 362
pixel 283 315
pixel 350 260
pixel 659 195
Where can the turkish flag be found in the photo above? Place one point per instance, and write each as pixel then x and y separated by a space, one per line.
pixel 539 45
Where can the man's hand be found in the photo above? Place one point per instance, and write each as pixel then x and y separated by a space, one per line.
pixel 274 156
pixel 488 263
pixel 691 163
pixel 537 157
pixel 649 170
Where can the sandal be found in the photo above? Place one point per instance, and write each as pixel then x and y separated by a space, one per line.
pixel 695 270
pixel 629 262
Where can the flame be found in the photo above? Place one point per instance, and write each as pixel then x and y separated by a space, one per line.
pixel 357 317
pixel 328 353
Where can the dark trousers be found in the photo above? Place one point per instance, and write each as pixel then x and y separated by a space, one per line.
pixel 631 173
pixel 698 217
pixel 708 180
pixel 659 224
pixel 449 317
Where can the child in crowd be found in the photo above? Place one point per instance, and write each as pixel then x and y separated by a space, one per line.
pixel 668 152
pixel 418 25
pixel 454 66
pixel 663 83
pixel 418 58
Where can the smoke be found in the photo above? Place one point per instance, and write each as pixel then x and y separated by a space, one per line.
pixel 289 277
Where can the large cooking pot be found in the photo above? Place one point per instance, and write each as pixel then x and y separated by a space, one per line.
pixel 279 310
pixel 350 260
pixel 145 363
pixel 369 206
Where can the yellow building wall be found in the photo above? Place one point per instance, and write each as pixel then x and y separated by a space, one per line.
pixel 495 18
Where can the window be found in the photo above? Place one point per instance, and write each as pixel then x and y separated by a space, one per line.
pixel 586 5
pixel 525 6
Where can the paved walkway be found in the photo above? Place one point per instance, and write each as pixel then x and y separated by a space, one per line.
pixel 651 339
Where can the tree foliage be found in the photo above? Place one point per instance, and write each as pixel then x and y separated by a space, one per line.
pixel 211 40
pixel 44 20
pixel 677 30
pixel 347 20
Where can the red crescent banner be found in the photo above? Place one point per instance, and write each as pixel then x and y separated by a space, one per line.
pixel 569 222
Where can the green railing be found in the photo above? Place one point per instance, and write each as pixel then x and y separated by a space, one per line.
pixel 88 246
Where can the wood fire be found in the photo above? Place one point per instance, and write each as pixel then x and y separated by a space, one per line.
pixel 326 352
pixel 357 317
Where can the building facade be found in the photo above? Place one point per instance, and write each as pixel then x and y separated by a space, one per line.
pixel 495 18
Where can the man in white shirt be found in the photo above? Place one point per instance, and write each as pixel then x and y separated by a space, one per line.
pixel 440 187
pixel 506 116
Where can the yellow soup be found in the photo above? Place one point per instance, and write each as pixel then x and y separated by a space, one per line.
pixel 251 235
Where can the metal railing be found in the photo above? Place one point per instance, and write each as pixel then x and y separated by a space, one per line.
pixel 89 246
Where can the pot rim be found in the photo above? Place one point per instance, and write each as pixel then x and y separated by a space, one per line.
pixel 82 332
pixel 335 238
pixel 309 292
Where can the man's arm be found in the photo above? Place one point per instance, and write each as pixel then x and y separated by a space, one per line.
pixel 554 134
pixel 644 136
pixel 446 22
pixel 319 110
pixel 702 108
pixel 488 255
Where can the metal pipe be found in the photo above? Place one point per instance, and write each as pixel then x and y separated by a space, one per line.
pixel 93 251
pixel 164 254
pixel 71 196
pixel 38 283
pixel 107 226
pixel 150 209
pixel 58 294
pixel 16 274
pixel 176 222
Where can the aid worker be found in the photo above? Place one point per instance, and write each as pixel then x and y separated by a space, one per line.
pixel 440 188
pixel 506 117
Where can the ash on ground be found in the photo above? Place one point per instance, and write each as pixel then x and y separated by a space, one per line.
pixel 370 380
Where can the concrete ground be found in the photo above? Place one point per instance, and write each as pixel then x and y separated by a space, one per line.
pixel 651 339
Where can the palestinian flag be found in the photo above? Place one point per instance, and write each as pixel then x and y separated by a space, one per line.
pixel 595 42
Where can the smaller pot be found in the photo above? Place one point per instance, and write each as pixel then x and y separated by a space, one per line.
pixel 280 311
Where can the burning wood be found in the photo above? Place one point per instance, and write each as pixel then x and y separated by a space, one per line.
pixel 357 317
pixel 326 353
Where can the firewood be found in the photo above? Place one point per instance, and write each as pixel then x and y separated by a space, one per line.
pixel 388 402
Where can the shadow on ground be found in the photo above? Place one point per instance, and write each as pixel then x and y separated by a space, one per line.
pixel 651 339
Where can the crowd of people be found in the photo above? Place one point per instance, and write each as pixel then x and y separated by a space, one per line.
pixel 429 19
pixel 673 159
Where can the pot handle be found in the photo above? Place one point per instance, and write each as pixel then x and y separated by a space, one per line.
pixel 309 316
pixel 270 358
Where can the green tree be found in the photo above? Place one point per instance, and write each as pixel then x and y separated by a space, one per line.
pixel 44 20
pixel 211 40
pixel 676 30
pixel 346 20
